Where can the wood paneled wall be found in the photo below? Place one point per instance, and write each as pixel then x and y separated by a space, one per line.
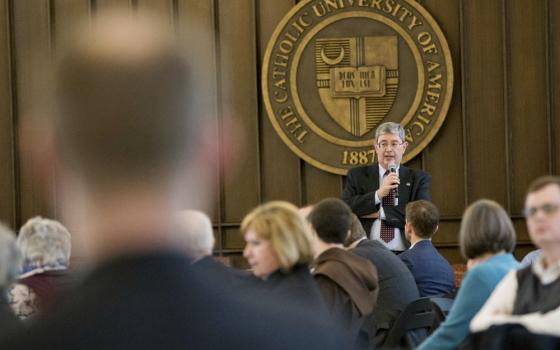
pixel 500 132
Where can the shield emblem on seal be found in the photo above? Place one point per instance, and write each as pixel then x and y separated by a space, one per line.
pixel 357 79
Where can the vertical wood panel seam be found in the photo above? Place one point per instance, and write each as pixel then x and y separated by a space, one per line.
pixel 219 111
pixel 341 184
pixel 256 55
pixel 464 109
pixel 302 192
pixel 93 7
pixel 302 189
pixel 13 109
pixel 506 44
pixel 52 28
pixel 175 14
pixel 549 87
pixel 52 54
pixel 553 69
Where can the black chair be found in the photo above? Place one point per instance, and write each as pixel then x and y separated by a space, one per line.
pixel 418 316
pixel 441 305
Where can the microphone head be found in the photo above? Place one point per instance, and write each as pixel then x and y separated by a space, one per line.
pixel 393 168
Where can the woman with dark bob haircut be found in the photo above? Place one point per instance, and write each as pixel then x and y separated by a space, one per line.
pixel 487 239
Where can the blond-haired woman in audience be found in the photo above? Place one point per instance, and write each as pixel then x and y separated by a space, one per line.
pixel 278 249
pixel 487 239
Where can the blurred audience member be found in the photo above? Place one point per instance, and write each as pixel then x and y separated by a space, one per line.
pixel 487 239
pixel 530 297
pixel 45 246
pixel 130 152
pixel 196 235
pixel 396 284
pixel 531 257
pixel 278 249
pixel 10 260
pixel 347 282
pixel 432 272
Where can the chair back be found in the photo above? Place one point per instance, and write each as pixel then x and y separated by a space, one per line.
pixel 441 306
pixel 418 315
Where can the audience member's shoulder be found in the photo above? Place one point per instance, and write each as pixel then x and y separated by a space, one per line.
pixel 406 255
pixel 335 260
pixel 496 266
pixel 307 329
pixel 196 312
pixel 371 245
pixel 479 270
pixel 272 322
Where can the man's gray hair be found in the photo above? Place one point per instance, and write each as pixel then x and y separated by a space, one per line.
pixel 390 128
pixel 195 233
pixel 45 244
pixel 10 257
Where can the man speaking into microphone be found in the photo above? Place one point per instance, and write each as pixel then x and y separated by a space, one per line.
pixel 378 193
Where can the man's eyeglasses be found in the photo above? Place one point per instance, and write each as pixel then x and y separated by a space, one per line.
pixel 548 209
pixel 385 145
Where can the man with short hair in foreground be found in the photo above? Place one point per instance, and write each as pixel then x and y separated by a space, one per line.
pixel 347 282
pixel 128 152
pixel 432 272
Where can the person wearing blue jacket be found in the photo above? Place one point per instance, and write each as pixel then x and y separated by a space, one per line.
pixel 487 239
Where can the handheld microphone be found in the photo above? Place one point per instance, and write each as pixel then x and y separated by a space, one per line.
pixel 393 169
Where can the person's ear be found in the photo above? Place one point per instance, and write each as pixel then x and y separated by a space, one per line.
pixel 404 146
pixel 408 228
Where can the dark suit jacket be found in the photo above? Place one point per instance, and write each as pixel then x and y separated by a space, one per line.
pixel 433 274
pixel 158 301
pixel 233 278
pixel 396 286
pixel 359 193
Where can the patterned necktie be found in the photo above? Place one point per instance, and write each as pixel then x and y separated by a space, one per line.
pixel 387 232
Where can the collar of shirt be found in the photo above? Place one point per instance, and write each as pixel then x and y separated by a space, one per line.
pixel 427 239
pixel 546 275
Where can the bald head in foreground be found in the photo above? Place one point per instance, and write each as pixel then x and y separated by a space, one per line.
pixel 128 153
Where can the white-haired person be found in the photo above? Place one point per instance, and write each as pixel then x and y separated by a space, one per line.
pixel 195 234
pixel 196 238
pixel 45 247
pixel 10 259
